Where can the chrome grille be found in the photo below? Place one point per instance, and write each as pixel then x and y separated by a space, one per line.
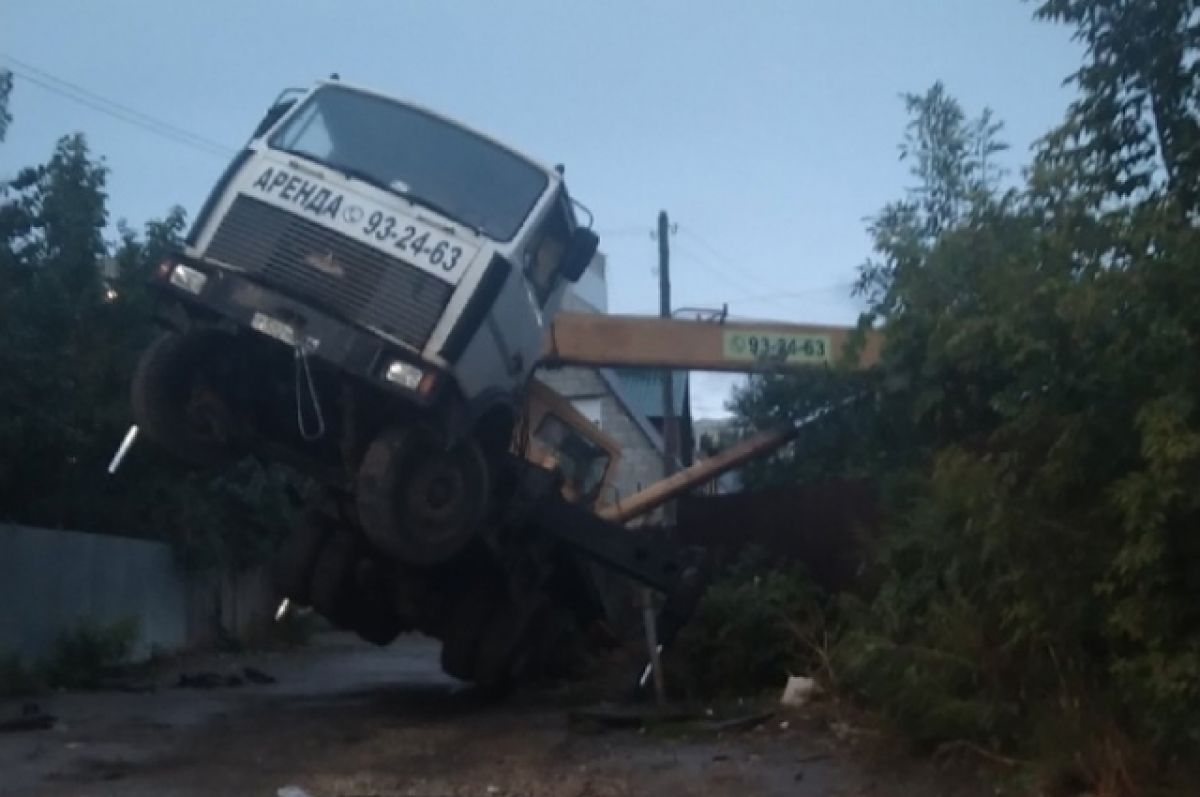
pixel 372 289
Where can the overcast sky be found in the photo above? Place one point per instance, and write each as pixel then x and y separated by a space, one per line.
pixel 767 130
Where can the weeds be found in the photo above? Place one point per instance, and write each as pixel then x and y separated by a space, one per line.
pixel 85 655
pixel 17 679
pixel 756 625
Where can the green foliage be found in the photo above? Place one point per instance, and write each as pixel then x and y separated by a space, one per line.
pixel 1035 421
pixel 755 626
pixel 1135 129
pixel 16 679
pixel 84 655
pixel 74 316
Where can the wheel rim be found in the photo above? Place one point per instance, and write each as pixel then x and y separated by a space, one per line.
pixel 207 415
pixel 419 502
pixel 438 498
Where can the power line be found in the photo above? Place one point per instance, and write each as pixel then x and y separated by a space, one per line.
pixel 776 299
pixel 739 282
pixel 839 286
pixel 117 110
pixel 695 257
pixel 616 232
pixel 719 255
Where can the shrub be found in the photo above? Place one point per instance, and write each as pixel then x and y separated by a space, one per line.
pixel 17 679
pixel 84 655
pixel 756 625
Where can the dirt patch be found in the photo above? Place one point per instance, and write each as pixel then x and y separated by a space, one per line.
pixel 351 721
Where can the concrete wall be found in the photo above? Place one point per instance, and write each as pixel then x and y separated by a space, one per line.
pixel 52 581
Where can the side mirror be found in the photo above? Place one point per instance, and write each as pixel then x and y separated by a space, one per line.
pixel 272 116
pixel 580 251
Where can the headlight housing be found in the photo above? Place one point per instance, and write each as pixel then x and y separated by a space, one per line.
pixel 189 279
pixel 410 377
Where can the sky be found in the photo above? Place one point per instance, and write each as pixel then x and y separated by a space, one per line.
pixel 767 129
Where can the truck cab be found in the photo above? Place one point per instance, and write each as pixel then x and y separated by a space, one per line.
pixel 362 266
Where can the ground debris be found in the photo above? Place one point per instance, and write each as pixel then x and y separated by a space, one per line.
pixel 32 718
pixel 607 715
pixel 207 680
pixel 799 691
pixel 291 791
pixel 256 676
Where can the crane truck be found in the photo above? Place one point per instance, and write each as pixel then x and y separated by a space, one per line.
pixel 367 295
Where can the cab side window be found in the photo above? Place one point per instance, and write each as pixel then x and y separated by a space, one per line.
pixel 543 258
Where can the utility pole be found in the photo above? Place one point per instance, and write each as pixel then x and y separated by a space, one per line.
pixel 668 398
pixel 670 436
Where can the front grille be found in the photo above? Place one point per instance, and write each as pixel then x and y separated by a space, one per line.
pixel 373 290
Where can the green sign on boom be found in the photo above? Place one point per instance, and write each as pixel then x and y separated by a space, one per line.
pixel 783 348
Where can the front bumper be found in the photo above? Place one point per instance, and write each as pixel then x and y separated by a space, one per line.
pixel 237 300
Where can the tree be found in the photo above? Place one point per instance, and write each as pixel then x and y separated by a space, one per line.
pixel 1035 424
pixel 1135 129
pixel 73 320
pixel 953 159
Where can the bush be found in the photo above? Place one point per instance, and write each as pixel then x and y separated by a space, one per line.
pixel 756 625
pixel 16 679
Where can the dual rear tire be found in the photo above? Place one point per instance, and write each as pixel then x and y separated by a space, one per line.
pixel 326 566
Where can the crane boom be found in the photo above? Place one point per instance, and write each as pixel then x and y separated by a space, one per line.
pixel 592 339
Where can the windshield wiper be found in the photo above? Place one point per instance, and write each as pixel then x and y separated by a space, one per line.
pixel 354 173
pixel 436 208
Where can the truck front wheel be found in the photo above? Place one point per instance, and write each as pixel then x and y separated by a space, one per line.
pixel 178 396
pixel 418 501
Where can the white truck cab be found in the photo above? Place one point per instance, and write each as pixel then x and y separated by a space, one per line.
pixel 365 270
pixel 437 239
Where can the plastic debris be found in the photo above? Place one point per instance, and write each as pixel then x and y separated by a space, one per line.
pixel 798 691
pixel 291 791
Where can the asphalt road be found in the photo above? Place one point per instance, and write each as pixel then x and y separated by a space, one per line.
pixel 348 720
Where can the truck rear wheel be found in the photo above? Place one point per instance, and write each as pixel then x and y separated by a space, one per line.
pixel 419 502
pixel 177 397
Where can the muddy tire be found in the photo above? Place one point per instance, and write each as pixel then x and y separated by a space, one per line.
pixel 177 397
pixel 504 646
pixel 369 604
pixel 461 637
pixel 551 646
pixel 418 502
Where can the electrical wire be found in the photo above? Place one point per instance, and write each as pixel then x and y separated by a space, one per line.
pixel 722 257
pixel 619 232
pixel 117 110
pixel 838 286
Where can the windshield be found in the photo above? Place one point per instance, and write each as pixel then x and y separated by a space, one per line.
pixel 426 159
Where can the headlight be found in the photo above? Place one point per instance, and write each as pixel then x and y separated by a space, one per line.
pixel 188 278
pixel 411 377
pixel 405 375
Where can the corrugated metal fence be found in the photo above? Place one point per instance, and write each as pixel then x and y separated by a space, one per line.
pixel 52 581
